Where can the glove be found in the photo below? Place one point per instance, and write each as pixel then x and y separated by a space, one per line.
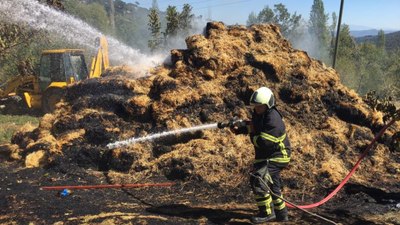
pixel 236 126
pixel 234 130
pixel 237 123
pixel 239 126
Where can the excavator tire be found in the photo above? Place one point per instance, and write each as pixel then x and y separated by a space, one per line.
pixel 50 98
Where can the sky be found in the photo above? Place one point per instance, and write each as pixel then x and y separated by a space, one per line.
pixel 359 14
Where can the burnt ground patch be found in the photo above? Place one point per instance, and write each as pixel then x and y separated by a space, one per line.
pixel 217 216
pixel 23 201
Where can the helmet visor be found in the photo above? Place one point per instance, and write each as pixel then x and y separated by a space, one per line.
pixel 253 99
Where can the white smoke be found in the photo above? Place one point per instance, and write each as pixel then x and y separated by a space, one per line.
pixel 304 40
pixel 179 41
pixel 73 30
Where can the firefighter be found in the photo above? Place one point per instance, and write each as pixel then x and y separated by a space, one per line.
pixel 272 154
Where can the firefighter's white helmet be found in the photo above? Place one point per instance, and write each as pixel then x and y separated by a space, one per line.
pixel 263 96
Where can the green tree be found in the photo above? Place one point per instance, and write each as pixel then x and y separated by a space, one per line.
pixel 186 19
pixel 367 66
pixel 391 82
pixel 15 41
pixel 20 46
pixel 369 63
pixel 346 58
pixel 287 22
pixel 381 40
pixel 93 14
pixel 126 29
pixel 172 18
pixel 252 19
pixel 155 29
pixel 319 30
pixel 266 15
pixel 12 35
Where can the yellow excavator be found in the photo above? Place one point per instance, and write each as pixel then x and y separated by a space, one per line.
pixel 58 68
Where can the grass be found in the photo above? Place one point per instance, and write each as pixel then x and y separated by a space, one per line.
pixel 9 124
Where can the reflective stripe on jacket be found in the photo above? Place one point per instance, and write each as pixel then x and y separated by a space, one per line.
pixel 269 138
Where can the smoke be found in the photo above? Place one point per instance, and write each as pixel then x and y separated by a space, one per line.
pixel 302 39
pixel 40 17
pixel 178 41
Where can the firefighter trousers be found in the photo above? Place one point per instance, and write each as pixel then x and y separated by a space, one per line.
pixel 267 173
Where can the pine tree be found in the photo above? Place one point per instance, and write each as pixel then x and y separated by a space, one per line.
pixel 172 21
pixel 318 29
pixel 186 19
pixel 155 29
pixel 381 40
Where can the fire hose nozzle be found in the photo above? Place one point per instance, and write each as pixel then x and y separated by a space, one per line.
pixel 232 123
pixel 222 125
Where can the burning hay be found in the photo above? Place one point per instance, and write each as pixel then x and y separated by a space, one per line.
pixel 211 81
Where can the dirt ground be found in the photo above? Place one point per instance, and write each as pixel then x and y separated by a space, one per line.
pixel 23 202
pixel 210 81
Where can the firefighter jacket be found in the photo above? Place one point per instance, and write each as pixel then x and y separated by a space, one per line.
pixel 269 137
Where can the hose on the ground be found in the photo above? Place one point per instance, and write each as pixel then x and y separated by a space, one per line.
pixel 344 181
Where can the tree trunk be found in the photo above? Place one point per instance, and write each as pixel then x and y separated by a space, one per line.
pixel 112 15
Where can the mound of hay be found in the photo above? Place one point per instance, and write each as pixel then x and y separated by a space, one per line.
pixel 211 81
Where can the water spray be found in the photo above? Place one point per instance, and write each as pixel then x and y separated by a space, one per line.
pixel 41 17
pixel 220 125
pixel 134 140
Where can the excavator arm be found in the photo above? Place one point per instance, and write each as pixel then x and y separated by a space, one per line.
pixel 100 61
pixel 18 84
pixel 21 87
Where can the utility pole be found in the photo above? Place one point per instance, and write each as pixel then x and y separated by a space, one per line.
pixel 338 33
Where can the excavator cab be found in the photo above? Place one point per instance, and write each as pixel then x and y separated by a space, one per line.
pixel 58 67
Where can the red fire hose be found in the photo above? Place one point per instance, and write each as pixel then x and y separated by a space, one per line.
pixel 363 154
pixel 106 186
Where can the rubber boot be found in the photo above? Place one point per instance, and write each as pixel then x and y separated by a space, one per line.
pixel 282 215
pixel 262 217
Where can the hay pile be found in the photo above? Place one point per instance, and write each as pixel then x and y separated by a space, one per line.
pixel 211 81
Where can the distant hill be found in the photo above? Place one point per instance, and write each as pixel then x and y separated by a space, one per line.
pixel 368 32
pixel 392 40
